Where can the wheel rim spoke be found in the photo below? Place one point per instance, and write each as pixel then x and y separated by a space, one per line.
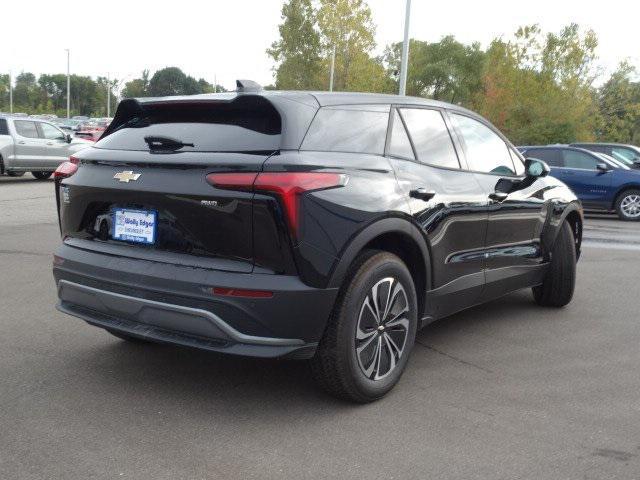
pixel 379 347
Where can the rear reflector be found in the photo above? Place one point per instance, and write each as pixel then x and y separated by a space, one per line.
pixel 287 185
pixel 238 292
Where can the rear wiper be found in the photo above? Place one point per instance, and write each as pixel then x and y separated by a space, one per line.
pixel 165 144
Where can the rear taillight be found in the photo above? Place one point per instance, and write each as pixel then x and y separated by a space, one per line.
pixel 288 186
pixel 66 169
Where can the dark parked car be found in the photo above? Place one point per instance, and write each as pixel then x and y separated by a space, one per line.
pixel 317 226
pixel 627 154
pixel 599 181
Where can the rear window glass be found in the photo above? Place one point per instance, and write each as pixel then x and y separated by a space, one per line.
pixel 344 129
pixel 250 124
pixel 26 129
pixel 4 130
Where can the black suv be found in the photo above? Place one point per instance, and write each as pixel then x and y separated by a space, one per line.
pixel 320 226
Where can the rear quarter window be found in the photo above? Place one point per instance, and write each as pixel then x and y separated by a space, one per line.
pixel 4 129
pixel 348 129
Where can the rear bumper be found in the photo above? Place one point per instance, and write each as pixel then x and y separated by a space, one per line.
pixel 172 303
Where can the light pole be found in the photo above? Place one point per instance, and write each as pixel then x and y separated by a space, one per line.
pixel 10 92
pixel 405 51
pixel 333 68
pixel 68 87
pixel 108 96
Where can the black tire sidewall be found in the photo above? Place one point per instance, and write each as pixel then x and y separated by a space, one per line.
pixel 42 175
pixel 378 267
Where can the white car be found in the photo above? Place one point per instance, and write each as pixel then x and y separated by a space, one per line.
pixel 33 145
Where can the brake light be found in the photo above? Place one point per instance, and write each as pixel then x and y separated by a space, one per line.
pixel 66 169
pixel 286 185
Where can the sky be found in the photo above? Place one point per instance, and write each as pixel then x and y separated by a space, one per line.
pixel 225 40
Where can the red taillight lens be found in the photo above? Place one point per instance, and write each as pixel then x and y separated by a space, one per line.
pixel 290 185
pixel 66 169
pixel 234 181
pixel 287 185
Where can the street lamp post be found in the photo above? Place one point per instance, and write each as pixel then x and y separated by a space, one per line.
pixel 108 96
pixel 68 87
pixel 333 68
pixel 10 91
pixel 405 51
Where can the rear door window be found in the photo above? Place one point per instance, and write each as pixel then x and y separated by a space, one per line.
pixel 400 146
pixel 4 129
pixel 26 129
pixel 348 129
pixel 552 156
pixel 430 137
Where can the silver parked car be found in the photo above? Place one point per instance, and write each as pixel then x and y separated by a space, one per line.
pixel 33 145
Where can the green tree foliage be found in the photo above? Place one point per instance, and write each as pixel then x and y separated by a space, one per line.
pixel 167 81
pixel 308 35
pixel 446 70
pixel 619 102
pixel 298 51
pixel 539 89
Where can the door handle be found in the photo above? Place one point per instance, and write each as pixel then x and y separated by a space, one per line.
pixel 22 142
pixel 422 194
pixel 498 196
pixel 49 143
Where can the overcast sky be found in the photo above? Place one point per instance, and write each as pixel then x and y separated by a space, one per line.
pixel 227 39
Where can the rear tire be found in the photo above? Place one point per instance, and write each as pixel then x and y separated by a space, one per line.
pixel 363 353
pixel 41 175
pixel 559 282
pixel 628 205
pixel 15 174
pixel 127 338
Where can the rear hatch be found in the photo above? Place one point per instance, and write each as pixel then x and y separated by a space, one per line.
pixel 142 191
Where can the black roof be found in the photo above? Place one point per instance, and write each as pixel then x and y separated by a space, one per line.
pixel 296 108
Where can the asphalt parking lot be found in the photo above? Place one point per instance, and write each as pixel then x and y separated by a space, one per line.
pixel 503 391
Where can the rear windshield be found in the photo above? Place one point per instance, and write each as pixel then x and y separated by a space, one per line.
pixel 248 124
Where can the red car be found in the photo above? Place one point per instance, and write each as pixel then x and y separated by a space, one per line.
pixel 93 130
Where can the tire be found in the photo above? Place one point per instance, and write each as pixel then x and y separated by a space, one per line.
pixel 41 175
pixel 560 280
pixel 628 205
pixel 15 174
pixel 127 338
pixel 337 366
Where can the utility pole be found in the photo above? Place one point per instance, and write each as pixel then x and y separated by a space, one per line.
pixel 333 68
pixel 215 83
pixel 108 96
pixel 10 92
pixel 68 87
pixel 405 51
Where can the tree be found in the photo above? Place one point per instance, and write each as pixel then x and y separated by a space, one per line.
pixel 298 51
pixel 446 70
pixel 138 87
pixel 539 89
pixel 347 26
pixel 619 104
pixel 172 81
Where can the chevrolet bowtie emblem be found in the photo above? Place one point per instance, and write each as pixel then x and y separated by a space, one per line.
pixel 127 176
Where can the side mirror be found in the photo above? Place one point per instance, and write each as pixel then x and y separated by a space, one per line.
pixel 535 168
pixel 602 167
pixel 636 164
pixel 68 138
